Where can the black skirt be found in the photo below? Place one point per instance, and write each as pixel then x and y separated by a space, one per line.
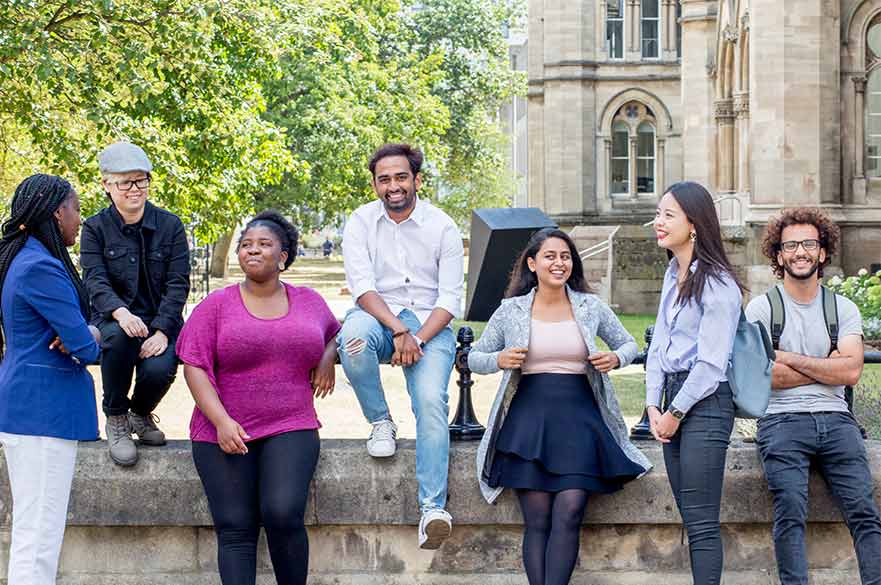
pixel 554 439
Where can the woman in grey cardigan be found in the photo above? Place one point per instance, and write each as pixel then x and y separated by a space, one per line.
pixel 555 430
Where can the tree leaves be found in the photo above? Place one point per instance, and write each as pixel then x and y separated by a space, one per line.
pixel 244 103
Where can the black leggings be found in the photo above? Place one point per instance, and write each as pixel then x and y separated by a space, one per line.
pixel 269 484
pixel 552 525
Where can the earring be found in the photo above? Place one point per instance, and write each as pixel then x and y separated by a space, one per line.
pixel 693 237
pixel 280 266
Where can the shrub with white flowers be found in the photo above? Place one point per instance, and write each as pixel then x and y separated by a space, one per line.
pixel 864 290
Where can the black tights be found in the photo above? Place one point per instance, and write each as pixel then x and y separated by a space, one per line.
pixel 269 484
pixel 552 524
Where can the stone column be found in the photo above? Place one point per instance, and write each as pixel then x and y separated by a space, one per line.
pixel 562 107
pixel 668 23
pixel 795 125
pixel 741 112
pixel 633 41
pixel 859 139
pixel 698 44
pixel 631 171
pixel 660 163
pixel 725 148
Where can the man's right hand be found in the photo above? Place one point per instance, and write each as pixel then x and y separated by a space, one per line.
pixel 407 351
pixel 131 324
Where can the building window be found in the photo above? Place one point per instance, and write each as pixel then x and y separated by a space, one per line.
pixel 650 28
pixel 620 163
pixel 679 30
pixel 873 123
pixel 645 158
pixel 615 29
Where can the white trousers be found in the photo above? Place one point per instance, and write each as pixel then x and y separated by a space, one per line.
pixel 40 474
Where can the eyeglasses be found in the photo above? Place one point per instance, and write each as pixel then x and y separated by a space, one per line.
pixel 792 245
pixel 127 185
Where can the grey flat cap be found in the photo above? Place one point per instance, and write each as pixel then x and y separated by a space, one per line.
pixel 123 157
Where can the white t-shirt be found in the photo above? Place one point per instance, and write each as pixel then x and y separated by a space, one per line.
pixel 805 333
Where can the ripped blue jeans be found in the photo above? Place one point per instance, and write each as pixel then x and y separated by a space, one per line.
pixel 695 460
pixel 364 344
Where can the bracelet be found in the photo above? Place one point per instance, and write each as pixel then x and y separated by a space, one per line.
pixel 399 333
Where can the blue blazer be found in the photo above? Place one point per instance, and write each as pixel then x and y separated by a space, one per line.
pixel 45 392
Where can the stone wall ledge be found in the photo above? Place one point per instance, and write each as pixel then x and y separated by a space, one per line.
pixel 350 488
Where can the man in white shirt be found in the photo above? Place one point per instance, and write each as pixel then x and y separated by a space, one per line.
pixel 403 259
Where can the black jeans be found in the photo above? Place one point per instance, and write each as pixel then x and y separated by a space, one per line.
pixel 695 461
pixel 269 484
pixel 119 360
pixel 789 443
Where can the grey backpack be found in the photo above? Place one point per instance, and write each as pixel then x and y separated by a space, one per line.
pixel 778 316
pixel 749 369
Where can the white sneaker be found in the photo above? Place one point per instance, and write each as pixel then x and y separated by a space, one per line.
pixel 434 528
pixel 382 439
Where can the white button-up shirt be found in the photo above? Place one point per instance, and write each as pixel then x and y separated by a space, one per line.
pixel 416 264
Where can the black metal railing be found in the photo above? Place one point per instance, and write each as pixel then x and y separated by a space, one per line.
pixel 200 269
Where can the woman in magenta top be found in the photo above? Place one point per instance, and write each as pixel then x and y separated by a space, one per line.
pixel 254 355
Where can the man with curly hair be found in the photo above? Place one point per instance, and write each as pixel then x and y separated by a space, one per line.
pixel 807 419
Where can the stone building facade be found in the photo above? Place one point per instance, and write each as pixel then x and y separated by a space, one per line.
pixel 769 103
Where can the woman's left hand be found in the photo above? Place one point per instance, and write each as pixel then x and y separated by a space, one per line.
pixel 323 378
pixel 604 361
pixel 668 425
pixel 57 344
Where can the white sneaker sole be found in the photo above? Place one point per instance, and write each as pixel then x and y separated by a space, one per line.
pixel 382 452
pixel 436 532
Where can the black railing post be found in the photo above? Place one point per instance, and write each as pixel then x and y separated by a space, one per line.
pixel 465 426
pixel 642 431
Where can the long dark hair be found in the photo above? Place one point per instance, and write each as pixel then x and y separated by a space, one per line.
pixel 32 209
pixel 709 252
pixel 524 280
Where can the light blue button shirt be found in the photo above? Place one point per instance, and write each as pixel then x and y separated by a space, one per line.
pixel 694 337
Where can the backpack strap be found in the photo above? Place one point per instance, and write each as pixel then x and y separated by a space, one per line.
pixel 778 316
pixel 830 314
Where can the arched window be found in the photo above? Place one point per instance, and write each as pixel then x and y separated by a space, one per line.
pixel 645 158
pixel 632 149
pixel 873 104
pixel 615 29
pixel 620 163
pixel 650 28
pixel 873 124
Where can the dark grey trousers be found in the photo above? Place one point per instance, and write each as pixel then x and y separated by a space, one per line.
pixel 695 460
pixel 789 445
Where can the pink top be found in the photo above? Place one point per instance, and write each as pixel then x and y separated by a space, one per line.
pixel 555 347
pixel 259 367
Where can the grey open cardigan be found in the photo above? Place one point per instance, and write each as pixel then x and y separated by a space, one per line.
pixel 509 327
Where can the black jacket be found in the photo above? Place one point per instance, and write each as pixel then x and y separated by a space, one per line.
pixel 111 262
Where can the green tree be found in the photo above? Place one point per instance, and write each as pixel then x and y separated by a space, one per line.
pixel 182 78
pixel 371 71
pixel 343 92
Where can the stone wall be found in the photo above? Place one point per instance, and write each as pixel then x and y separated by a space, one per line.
pixel 150 525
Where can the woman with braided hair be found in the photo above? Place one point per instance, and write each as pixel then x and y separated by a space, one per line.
pixel 254 355
pixel 47 397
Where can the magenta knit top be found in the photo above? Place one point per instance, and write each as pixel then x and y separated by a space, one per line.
pixel 259 367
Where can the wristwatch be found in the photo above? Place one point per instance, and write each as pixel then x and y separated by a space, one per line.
pixel 677 414
pixel 419 341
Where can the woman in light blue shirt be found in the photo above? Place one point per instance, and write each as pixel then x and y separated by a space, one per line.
pixel 688 399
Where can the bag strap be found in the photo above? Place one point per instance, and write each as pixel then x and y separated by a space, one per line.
pixel 778 316
pixel 830 314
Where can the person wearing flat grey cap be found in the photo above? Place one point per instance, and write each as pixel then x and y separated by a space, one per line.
pixel 135 261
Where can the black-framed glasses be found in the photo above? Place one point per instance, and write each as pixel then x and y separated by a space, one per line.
pixel 792 245
pixel 127 185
